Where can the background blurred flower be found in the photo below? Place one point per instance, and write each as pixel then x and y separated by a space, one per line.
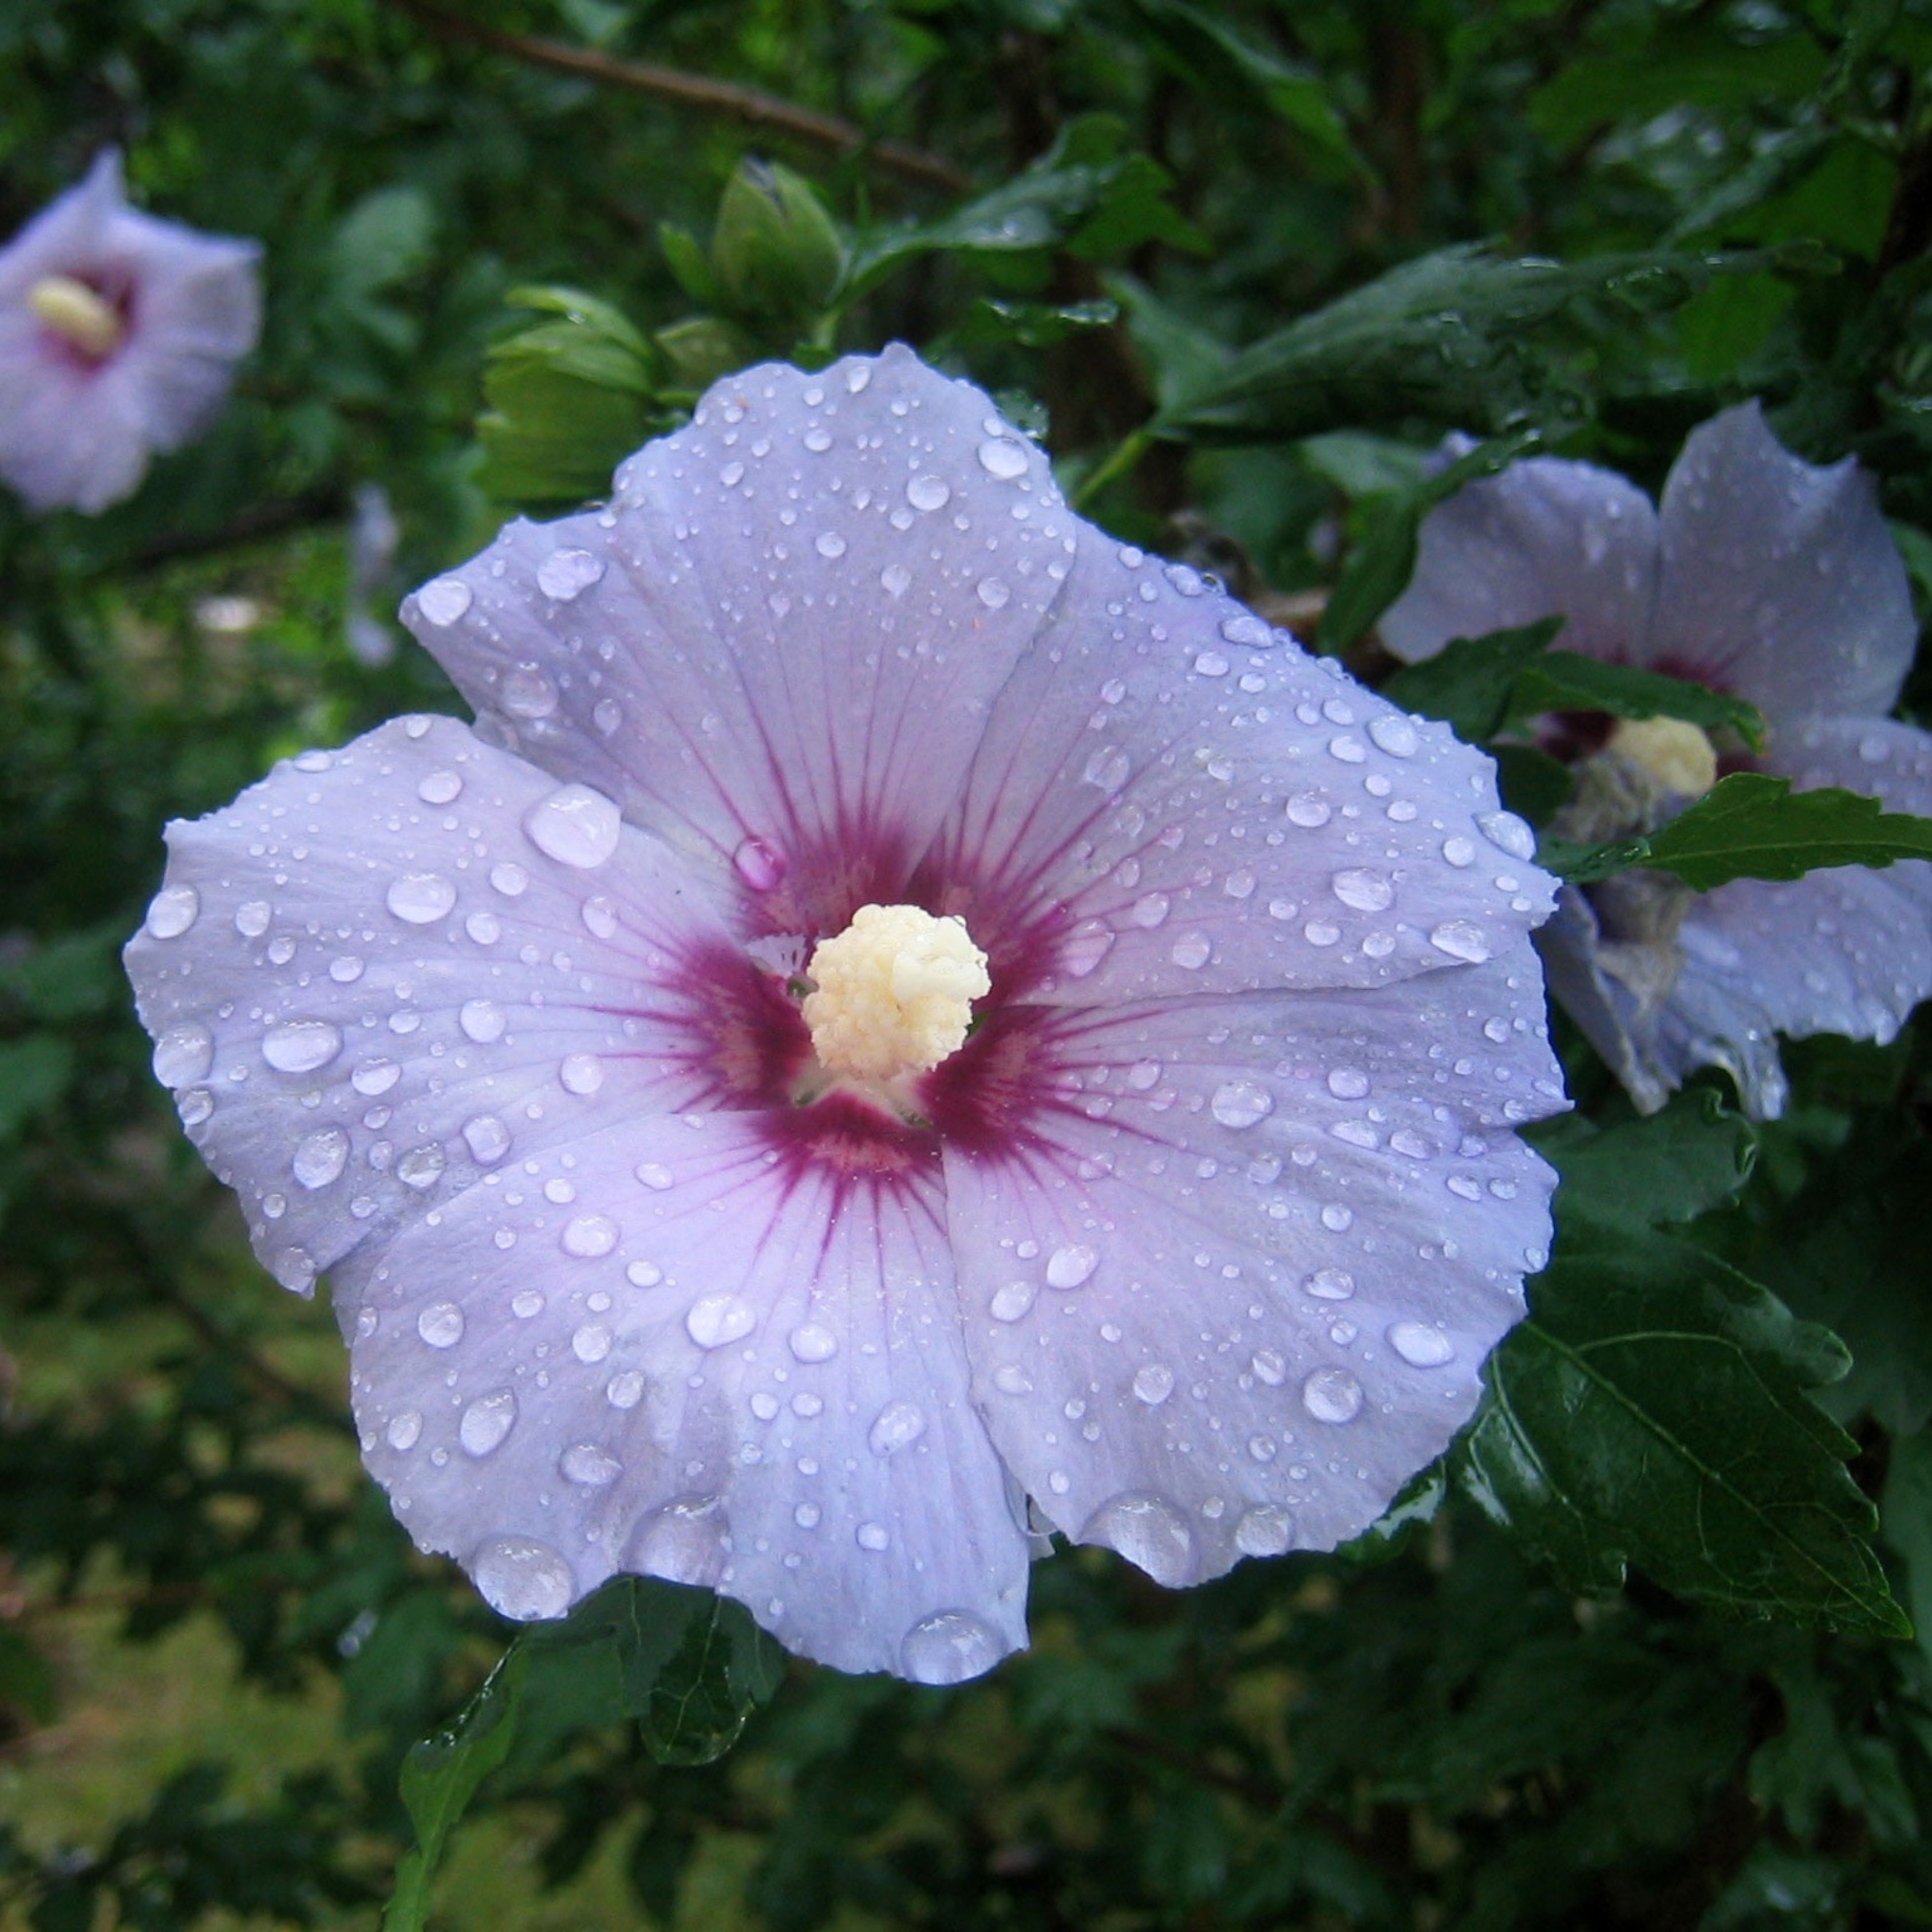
pixel 1759 575
pixel 118 336
pixel 1198 1242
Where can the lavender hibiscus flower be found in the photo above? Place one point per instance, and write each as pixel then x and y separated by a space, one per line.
pixel 119 335
pixel 905 1024
pixel 1762 576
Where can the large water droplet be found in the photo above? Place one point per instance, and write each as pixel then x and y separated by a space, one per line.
pixel 1307 809
pixel 421 1166
pixel 1332 1395
pixel 760 865
pixel 1068 1266
pixel 811 1343
pixel 375 1076
pixel 1150 1534
pixel 714 1320
pixel 173 910
pixel 1240 1103
pixel 1461 939
pixel 1396 735
pixel 1264 1531
pixel 321 1157
pixel 589 1465
pixel 436 788
pixel 527 693
pixel 950 1648
pixel 897 1427
pixel 580 1073
pixel 183 1054
pixel 1421 1346
pixel 301 1046
pixel 405 1430
pixel 576 825
pixel 1154 1383
pixel 420 898
pixel 1330 1284
pixel 1011 1302
pixel 522 1578
pixel 1364 890
pixel 590 1236
pixel 482 1020
pixel 1001 457
pixel 1507 833
pixel 683 1543
pixel 443 600
pixel 252 918
pixel 927 493
pixel 441 1324
pixel 486 1138
pixel 565 573
pixel 487 1420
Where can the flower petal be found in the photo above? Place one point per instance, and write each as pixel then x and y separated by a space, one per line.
pixel 781 640
pixel 1779 583
pixel 698 1367
pixel 1242 1291
pixel 372 979
pixel 1543 539
pixel 1171 799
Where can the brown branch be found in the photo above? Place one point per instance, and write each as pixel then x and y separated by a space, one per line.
pixel 747 104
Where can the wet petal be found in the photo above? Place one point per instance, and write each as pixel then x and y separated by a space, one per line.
pixel 1779 581
pixel 781 640
pixel 1544 539
pixel 370 981
pixel 704 1366
pixel 1242 1289
pixel 1171 799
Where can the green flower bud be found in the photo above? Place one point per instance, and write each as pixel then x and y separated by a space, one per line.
pixel 775 251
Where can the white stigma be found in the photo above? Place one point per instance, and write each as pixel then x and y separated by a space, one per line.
pixel 77 314
pixel 894 993
pixel 1676 753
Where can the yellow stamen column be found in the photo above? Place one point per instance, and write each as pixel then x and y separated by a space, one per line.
pixel 76 313
pixel 894 993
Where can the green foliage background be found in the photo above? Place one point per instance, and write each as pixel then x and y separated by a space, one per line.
pixel 1639 1652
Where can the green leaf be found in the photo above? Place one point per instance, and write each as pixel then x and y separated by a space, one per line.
pixel 1906 1511
pixel 1671 1166
pixel 1211 55
pixel 1380 565
pixel 1751 825
pixel 1533 785
pixel 1085 187
pixel 1450 336
pixel 1653 1410
pixel 1032 325
pixel 1469 682
pixel 384 239
pixel 34 1073
pixel 1567 681
pixel 440 1777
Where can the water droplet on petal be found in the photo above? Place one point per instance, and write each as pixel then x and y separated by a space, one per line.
pixel 895 580
pixel 1264 1531
pixel 565 573
pixel 761 866
pixel 441 1324
pixel 1331 1284
pixel 590 1236
pixel 375 1076
pixel 1307 809
pixel 872 1536
pixel 1347 1083
pixel 1364 890
pixel 1154 1383
pixel 927 493
pixel 1507 833
pixel 714 1320
pixel 321 1157
pixel 1068 1266
pixel 830 545
pixel 1396 735
pixel 1332 1395
pixel 1011 1302
pixel 1421 1346
pixel 811 1343
pixel 420 898
pixel 486 1421
pixel 992 593
pixel 589 1465
pixel 576 825
pixel 1461 939
pixel 405 1430
pixel 950 1648
pixel 683 1543
pixel 252 918
pixel 301 1046
pixel 183 1054
pixel 1001 457
pixel 522 1578
pixel 626 1390
pixel 486 1138
pixel 581 1072
pixel 898 1426
pixel 527 693
pixel 1150 1534
pixel 653 1176
pixel 1240 1103
pixel 194 1106
pixel 443 600
pixel 482 1020
pixel 439 788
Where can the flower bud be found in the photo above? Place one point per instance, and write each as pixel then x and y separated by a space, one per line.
pixel 775 251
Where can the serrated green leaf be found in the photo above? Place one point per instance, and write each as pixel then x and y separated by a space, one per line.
pixel 1568 681
pixel 1450 336
pixel 1652 1411
pixel 439 1777
pixel 1468 683
pixel 1752 825
pixel 1670 1166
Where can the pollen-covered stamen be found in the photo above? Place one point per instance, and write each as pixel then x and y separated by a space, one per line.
pixel 894 993
pixel 77 314
pixel 1675 752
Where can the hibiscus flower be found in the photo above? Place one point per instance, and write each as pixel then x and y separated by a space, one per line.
pixel 1762 576
pixel 906 1025
pixel 118 336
